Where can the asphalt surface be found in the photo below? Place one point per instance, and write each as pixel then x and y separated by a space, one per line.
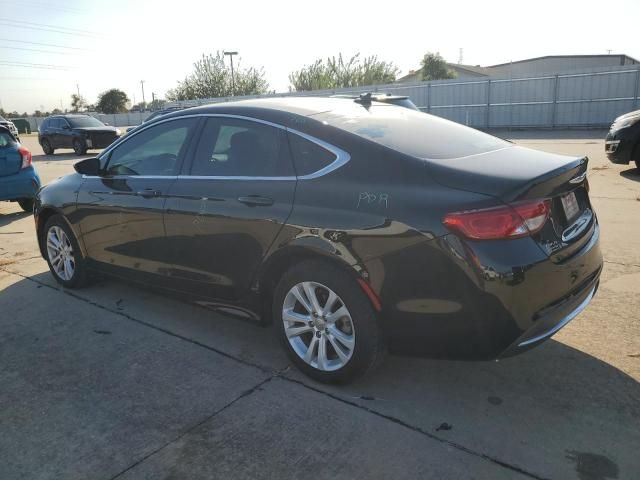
pixel 114 381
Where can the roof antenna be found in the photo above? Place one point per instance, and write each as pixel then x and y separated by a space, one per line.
pixel 364 99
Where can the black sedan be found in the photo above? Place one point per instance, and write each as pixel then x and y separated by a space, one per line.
pixel 77 131
pixel 622 144
pixel 355 228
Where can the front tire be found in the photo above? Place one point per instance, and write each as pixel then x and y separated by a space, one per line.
pixel 46 147
pixel 326 324
pixel 63 253
pixel 79 146
pixel 26 204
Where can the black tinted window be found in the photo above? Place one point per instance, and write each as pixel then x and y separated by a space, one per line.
pixel 412 132
pixel 232 147
pixel 309 157
pixel 154 151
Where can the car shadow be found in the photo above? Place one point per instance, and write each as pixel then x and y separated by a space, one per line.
pixel 631 174
pixel 7 218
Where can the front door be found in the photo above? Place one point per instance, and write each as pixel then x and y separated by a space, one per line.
pixel 227 207
pixel 121 211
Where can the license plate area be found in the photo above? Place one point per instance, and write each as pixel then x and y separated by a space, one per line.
pixel 570 206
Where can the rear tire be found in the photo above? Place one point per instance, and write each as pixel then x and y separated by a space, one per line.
pixel 46 147
pixel 326 324
pixel 63 253
pixel 26 204
pixel 79 146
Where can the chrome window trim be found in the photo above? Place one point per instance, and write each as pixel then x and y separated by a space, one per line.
pixel 121 177
pixel 342 157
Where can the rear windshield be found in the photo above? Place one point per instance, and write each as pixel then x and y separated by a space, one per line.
pixel 412 132
pixel 81 122
pixel 6 140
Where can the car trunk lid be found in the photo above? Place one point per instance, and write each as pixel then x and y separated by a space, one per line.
pixel 516 174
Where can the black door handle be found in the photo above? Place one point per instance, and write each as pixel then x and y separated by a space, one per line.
pixel 256 200
pixel 149 193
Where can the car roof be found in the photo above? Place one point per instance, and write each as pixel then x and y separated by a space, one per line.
pixel 303 106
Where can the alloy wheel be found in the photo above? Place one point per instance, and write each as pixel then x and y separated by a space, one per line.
pixel 60 253
pixel 318 326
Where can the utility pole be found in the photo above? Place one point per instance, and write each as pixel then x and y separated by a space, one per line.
pixel 78 89
pixel 143 102
pixel 233 80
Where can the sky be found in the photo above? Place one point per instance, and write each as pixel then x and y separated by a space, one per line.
pixel 92 46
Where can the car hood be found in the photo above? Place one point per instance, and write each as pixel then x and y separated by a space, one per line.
pixel 635 113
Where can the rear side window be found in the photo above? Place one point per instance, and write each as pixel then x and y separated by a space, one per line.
pixel 6 140
pixel 231 147
pixel 413 133
pixel 309 157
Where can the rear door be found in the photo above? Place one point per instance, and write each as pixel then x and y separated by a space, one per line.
pixel 122 210
pixel 10 159
pixel 228 206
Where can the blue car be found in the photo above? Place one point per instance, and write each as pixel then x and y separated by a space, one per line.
pixel 19 180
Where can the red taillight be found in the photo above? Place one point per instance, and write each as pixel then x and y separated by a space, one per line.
pixel 26 157
pixel 510 221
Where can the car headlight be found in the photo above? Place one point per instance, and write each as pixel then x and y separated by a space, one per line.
pixel 118 132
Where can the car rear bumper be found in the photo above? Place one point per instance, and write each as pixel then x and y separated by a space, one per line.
pixel 23 184
pixel 451 298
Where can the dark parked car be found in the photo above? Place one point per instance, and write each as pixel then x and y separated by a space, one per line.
pixel 623 140
pixel 19 180
pixel 354 228
pixel 77 131
pixel 9 125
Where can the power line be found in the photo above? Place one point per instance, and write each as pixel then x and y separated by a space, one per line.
pixel 44 44
pixel 46 25
pixel 38 50
pixel 35 65
pixel 51 30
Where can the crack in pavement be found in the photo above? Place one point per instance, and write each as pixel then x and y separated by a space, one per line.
pixel 244 394
pixel 455 445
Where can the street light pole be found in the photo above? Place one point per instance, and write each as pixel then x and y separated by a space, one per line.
pixel 143 102
pixel 233 81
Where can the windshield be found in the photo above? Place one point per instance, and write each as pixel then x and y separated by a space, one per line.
pixel 81 122
pixel 412 132
pixel 2 119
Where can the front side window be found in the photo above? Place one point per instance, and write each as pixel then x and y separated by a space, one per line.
pixel 154 151
pixel 231 147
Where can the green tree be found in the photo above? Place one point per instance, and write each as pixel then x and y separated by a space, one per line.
pixel 434 67
pixel 77 102
pixel 157 104
pixel 112 101
pixel 211 78
pixel 336 72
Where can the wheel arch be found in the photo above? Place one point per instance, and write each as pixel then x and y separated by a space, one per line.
pixel 44 214
pixel 286 257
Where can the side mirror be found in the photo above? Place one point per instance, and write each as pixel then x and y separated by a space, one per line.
pixel 66 127
pixel 90 166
